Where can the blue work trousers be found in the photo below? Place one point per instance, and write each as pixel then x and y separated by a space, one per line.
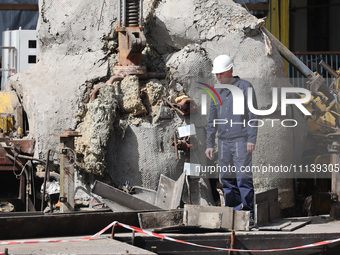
pixel 236 177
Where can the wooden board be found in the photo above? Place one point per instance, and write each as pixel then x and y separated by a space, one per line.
pixel 23 7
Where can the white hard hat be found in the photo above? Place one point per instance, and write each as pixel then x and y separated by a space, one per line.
pixel 221 64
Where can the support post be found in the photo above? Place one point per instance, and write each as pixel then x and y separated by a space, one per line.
pixel 67 160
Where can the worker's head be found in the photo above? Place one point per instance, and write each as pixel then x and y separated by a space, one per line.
pixel 223 68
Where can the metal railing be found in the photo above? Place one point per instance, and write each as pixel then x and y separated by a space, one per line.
pixel 312 60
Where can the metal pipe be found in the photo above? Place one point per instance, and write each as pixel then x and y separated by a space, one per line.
pixel 120 13
pixel 109 82
pixel 172 106
pixel 45 178
pixel 51 174
pixel 30 158
pixel 329 69
pixel 289 56
pixel 140 13
pixel 142 188
pixel 123 13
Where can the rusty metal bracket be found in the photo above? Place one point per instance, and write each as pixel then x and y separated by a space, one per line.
pixel 67 171
pixel 173 106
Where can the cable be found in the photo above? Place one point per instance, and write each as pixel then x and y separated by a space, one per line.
pixel 245 6
pixel 74 155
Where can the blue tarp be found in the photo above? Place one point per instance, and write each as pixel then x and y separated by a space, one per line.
pixel 12 20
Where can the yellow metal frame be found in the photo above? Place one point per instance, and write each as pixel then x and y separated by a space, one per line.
pixel 277 22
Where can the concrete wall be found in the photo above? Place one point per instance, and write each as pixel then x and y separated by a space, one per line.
pixel 78 49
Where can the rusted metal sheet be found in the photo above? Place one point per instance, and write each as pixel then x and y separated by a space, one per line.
pixel 6 164
pixel 26 146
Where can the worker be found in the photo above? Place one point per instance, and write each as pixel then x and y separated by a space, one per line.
pixel 236 139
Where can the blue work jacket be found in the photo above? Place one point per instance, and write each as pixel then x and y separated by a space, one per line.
pixel 233 127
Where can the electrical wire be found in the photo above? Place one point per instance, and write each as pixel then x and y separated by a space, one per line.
pixel 245 6
pixel 74 159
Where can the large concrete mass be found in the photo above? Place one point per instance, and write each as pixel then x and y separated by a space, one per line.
pixel 125 136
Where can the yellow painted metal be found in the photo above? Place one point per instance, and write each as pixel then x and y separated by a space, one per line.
pixel 8 101
pixel 284 26
pixel 7 123
pixel 277 22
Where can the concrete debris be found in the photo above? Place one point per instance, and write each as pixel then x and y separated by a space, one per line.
pixel 96 129
pixel 51 187
pixel 153 92
pixel 204 20
pixel 190 63
pixel 129 99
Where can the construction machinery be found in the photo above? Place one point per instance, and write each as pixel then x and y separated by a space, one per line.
pixel 16 175
pixel 323 127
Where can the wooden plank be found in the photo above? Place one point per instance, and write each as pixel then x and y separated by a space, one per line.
pixel 157 220
pixel 22 7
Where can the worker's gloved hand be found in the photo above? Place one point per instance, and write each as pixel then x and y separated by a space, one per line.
pixel 209 153
pixel 250 147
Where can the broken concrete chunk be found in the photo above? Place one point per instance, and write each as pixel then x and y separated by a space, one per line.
pixel 154 90
pixel 130 101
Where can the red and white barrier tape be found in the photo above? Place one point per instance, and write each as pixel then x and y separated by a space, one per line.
pixel 59 240
pixel 149 233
